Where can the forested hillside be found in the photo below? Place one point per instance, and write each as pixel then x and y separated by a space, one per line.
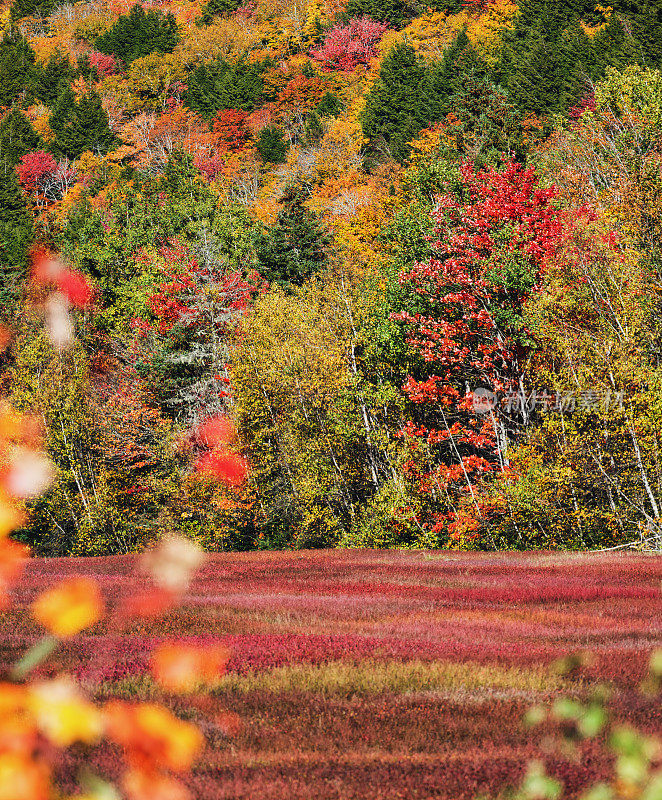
pixel 403 257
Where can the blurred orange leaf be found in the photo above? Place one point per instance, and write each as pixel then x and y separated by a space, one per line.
pixel 21 778
pixel 69 607
pixel 64 716
pixel 152 736
pixel 153 786
pixel 181 668
pixel 10 517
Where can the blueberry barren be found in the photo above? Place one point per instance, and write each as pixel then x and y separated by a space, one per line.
pixel 364 674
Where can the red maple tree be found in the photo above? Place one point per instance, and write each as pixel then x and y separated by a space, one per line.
pixel 231 128
pixel 492 240
pixel 348 46
pixel 43 177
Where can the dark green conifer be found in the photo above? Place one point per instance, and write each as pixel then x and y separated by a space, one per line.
pixel 17 137
pixel 271 146
pixel 645 22
pixel 329 105
pixel 52 78
pixel 214 8
pixel 294 249
pixel 180 174
pixel 80 126
pixel 17 66
pixel 138 34
pixel 543 62
pixel 31 8
pixel 313 128
pixel 223 84
pixel 446 77
pixel 397 106
pixel 486 127
pixel 395 12
pixel 16 233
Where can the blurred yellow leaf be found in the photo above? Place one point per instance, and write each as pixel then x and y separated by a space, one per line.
pixel 62 714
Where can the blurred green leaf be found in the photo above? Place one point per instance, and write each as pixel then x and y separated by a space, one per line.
pixel 592 721
pixel 600 791
pixel 538 785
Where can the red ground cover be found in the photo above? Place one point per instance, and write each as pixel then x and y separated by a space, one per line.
pixel 311 608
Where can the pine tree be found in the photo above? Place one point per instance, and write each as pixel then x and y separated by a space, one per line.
pixel 329 105
pixel 542 65
pixel 271 146
pixel 613 47
pixel 17 65
pixel 313 128
pixel 51 79
pixel 215 7
pixel 222 84
pixel 80 126
pixel 15 239
pixel 294 249
pixel 397 107
pixel 17 137
pixel 180 175
pixel 645 21
pixel 395 12
pixel 138 34
pixel 486 127
pixel 446 77
pixel 31 8
pixel 548 60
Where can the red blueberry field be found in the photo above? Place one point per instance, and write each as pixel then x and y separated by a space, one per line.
pixel 368 674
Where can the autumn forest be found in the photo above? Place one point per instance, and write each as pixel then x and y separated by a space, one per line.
pixel 390 269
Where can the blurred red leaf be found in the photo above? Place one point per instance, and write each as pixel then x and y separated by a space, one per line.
pixel 75 286
pixel 225 467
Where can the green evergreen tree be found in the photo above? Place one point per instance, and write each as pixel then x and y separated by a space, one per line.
pixel 213 8
pixel 395 12
pixel 613 46
pixel 313 128
pixel 294 249
pixel 547 60
pixel 446 77
pixel 138 34
pixel 17 66
pixel 329 105
pixel 223 84
pixel 52 78
pixel 486 126
pixel 180 175
pixel 16 233
pixel 80 126
pixel 645 23
pixel 31 8
pixel 543 62
pixel 17 137
pixel 397 106
pixel 271 146
pixel 449 6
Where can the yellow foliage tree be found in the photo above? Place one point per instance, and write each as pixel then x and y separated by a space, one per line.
pixel 431 33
